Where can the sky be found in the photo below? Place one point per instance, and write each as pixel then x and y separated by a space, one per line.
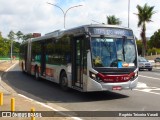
pixel 36 16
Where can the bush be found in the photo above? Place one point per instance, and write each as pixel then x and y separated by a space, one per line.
pixel 153 51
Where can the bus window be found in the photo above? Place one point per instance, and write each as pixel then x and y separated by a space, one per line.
pixel 36 52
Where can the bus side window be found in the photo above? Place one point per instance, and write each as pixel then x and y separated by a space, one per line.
pixel 68 58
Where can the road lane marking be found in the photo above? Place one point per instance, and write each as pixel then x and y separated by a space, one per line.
pixel 144 88
pixel 11 67
pixel 149 77
pixel 49 107
pixel 141 85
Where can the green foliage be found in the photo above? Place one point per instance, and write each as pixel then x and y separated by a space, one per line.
pixel 112 20
pixel 5 44
pixel 11 35
pixel 16 46
pixel 4 47
pixel 27 36
pixel 144 16
pixel 139 47
pixel 155 40
pixel 19 35
pixel 153 51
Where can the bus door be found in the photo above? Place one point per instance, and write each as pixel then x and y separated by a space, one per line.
pixel 43 59
pixel 79 61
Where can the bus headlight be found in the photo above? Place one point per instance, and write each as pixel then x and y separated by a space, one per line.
pixel 135 75
pixel 95 77
pixel 92 75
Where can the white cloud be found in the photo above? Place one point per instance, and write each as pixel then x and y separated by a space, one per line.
pixel 37 16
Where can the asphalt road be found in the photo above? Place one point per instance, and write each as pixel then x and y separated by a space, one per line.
pixel 146 97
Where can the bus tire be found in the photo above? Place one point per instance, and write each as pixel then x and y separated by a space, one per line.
pixel 36 73
pixel 64 81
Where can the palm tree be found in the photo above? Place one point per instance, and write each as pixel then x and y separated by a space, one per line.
pixel 144 16
pixel 112 20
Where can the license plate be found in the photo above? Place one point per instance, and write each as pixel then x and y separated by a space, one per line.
pixel 116 88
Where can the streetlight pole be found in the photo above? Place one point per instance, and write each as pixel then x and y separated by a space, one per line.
pixel 128 12
pixel 64 12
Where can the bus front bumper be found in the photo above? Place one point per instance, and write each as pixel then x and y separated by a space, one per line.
pixel 96 86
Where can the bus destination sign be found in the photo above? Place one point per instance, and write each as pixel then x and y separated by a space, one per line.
pixel 111 32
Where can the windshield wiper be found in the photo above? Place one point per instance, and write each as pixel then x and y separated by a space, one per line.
pixel 124 40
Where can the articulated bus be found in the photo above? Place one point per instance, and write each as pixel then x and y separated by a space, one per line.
pixel 86 58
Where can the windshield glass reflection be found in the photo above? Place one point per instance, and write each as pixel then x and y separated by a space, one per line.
pixel 111 52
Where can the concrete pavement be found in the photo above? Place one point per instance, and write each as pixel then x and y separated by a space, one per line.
pixel 23 103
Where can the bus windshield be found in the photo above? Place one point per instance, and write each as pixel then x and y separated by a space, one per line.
pixel 113 52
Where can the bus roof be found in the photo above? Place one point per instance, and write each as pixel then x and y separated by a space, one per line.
pixel 78 30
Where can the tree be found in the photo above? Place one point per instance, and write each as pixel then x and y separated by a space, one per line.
pixel 4 49
pixel 27 36
pixel 11 36
pixel 144 16
pixel 155 40
pixel 19 35
pixel 112 20
pixel 16 47
pixel 6 45
pixel 139 46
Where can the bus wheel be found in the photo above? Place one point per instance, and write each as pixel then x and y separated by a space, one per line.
pixel 64 81
pixel 36 74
